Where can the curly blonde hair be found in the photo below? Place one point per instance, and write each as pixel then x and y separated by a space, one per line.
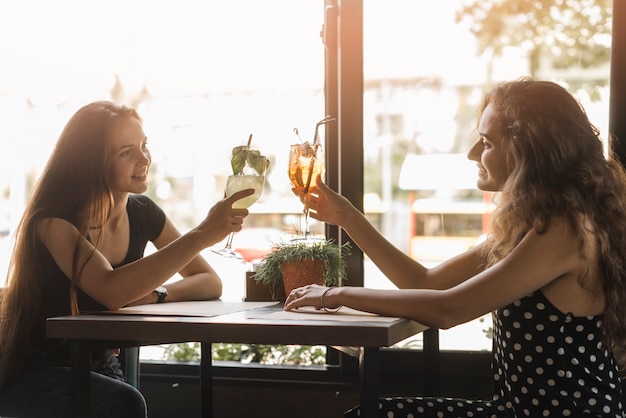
pixel 558 168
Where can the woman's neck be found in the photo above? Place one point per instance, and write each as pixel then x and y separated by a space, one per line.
pixel 118 211
pixel 116 222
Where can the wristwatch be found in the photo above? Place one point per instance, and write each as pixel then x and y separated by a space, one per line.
pixel 161 292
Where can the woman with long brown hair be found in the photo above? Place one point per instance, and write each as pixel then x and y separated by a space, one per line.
pixel 551 271
pixel 79 247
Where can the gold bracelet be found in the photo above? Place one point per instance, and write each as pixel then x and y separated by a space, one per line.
pixel 324 308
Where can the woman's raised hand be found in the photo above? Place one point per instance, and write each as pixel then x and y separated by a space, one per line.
pixel 223 219
pixel 325 204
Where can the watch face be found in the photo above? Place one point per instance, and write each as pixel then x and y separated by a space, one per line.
pixel 162 293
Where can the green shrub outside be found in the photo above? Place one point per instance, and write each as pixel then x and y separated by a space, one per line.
pixel 296 355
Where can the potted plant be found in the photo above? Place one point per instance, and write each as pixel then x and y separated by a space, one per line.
pixel 297 263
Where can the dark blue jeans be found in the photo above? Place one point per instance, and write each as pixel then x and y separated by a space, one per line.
pixel 44 392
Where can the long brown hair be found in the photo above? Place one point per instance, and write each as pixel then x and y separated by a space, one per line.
pixel 558 168
pixel 73 185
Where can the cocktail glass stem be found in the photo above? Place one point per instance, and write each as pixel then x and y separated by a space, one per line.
pixel 229 241
pixel 227 251
pixel 307 231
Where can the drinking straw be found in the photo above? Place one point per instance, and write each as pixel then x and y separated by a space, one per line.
pixel 324 121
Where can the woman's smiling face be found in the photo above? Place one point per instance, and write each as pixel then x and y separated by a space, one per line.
pixel 489 152
pixel 130 157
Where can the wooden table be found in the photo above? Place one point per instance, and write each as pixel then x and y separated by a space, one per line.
pixel 259 325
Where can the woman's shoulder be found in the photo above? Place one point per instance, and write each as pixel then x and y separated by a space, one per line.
pixel 54 223
pixel 55 228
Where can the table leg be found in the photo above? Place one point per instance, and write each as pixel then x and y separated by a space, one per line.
pixel 369 371
pixel 431 362
pixel 81 380
pixel 206 380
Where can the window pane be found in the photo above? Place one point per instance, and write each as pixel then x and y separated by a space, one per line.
pixel 424 79
pixel 204 75
pixel 202 85
pixel 204 82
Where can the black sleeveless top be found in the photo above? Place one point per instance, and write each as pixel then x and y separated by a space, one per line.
pixel 146 221
pixel 548 363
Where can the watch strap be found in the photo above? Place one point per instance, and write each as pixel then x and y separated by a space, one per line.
pixel 161 294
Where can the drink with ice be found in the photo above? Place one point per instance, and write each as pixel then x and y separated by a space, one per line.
pixel 248 173
pixel 241 182
pixel 305 164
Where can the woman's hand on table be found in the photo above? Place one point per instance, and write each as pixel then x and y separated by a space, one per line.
pixel 312 295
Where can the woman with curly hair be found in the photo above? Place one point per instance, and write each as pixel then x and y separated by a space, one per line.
pixel 79 247
pixel 551 271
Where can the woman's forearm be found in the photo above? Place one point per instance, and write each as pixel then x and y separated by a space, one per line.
pixel 132 281
pixel 401 269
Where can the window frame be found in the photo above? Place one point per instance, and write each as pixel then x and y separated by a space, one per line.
pixel 342 36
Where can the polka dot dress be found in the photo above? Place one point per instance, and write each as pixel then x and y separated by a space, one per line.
pixel 545 364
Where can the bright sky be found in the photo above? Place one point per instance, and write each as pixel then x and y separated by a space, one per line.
pixel 170 45
pixel 178 46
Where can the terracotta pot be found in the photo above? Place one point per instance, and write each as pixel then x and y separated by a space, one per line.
pixel 301 273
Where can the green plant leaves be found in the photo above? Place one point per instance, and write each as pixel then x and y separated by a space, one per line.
pixel 238 159
pixel 332 256
pixel 257 161
pixel 254 158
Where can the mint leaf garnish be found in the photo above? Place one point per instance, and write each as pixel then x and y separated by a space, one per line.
pixel 238 160
pixel 254 158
